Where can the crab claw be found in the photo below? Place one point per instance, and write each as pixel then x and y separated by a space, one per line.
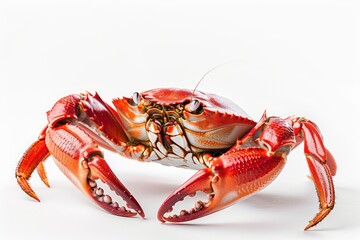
pixel 231 177
pixel 80 159
pixel 200 181
pixel 99 169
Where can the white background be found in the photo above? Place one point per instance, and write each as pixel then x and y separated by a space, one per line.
pixel 289 57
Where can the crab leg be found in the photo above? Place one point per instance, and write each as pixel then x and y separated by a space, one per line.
pixel 322 167
pixel 32 159
pixel 80 159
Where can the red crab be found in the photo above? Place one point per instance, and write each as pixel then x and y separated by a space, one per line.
pixel 234 155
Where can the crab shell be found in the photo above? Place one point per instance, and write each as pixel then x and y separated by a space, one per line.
pixel 216 126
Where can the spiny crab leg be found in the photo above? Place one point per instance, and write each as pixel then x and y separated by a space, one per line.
pixel 99 169
pixel 322 167
pixel 200 181
pixel 32 159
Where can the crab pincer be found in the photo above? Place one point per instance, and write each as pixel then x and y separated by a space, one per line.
pixel 99 169
pixel 200 181
pixel 230 178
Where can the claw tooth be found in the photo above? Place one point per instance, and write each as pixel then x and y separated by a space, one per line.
pixel 180 199
pixel 115 204
pixel 92 183
pixel 199 205
pixel 107 199
pixel 122 208
pixel 183 213
pixel 99 191
pixel 192 194
pixel 170 210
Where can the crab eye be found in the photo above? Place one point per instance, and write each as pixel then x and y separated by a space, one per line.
pixel 136 98
pixel 194 105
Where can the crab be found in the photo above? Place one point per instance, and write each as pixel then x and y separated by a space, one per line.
pixel 234 156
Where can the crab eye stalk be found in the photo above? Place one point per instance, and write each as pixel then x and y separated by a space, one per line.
pixel 194 105
pixel 136 98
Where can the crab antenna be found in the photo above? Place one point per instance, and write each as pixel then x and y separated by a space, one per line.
pixel 207 73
